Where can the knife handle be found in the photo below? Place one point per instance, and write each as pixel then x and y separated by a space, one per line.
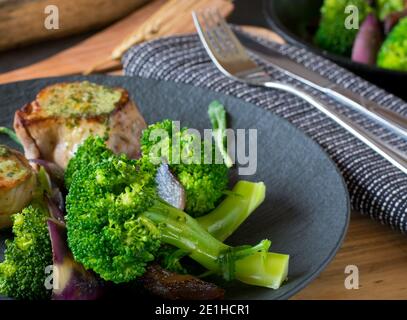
pixel 392 120
pixel 394 156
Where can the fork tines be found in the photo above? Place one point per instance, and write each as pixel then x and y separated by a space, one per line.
pixel 220 42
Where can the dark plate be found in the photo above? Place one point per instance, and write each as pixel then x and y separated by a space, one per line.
pixel 296 21
pixel 306 211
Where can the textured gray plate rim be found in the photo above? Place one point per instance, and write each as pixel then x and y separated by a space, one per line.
pixel 123 79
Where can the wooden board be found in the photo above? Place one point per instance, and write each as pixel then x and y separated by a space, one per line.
pixel 96 48
pixel 23 21
pixel 379 253
pixel 381 257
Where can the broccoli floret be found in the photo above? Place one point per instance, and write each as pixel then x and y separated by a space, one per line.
pixel 393 53
pixel 386 7
pixel 116 225
pixel 203 180
pixel 22 274
pixel 332 35
pixel 170 257
pixel 105 231
pixel 92 150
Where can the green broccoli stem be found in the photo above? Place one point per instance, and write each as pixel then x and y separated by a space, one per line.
pixel 217 115
pixel 11 134
pixel 263 269
pixel 238 205
pixel 270 269
pixel 184 232
pixel 219 137
pixel 248 264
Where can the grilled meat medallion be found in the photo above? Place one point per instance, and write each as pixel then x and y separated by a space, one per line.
pixel 17 184
pixel 63 115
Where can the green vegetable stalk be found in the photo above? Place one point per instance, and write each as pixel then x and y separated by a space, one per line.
pixel 263 269
pixel 270 269
pixel 217 115
pixel 234 209
pixel 184 232
pixel 251 265
pixel 11 134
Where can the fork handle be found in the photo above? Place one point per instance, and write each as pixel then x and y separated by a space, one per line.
pixel 395 157
pixel 392 120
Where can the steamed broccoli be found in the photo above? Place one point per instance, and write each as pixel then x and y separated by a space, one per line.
pixel 222 222
pixel 116 225
pixel 22 274
pixel 332 34
pixel 239 204
pixel 92 150
pixel 386 7
pixel 204 181
pixel 393 53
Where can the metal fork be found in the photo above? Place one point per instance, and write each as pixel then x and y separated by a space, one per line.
pixel 232 59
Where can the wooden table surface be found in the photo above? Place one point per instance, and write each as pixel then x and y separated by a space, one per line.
pixel 379 253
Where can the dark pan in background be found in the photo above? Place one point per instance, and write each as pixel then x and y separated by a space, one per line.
pixel 296 21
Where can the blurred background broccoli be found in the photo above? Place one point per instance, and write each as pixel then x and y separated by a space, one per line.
pixel 382 40
pixel 393 54
pixel 332 34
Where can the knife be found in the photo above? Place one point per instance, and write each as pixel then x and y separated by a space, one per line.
pixel 392 120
